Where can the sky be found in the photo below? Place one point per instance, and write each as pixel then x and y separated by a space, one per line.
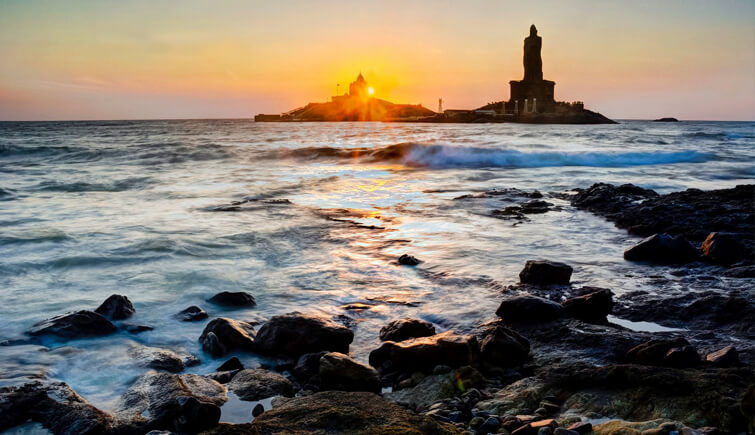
pixel 146 59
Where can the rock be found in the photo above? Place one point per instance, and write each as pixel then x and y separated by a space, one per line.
pixel 403 329
pixel 741 272
pixel 723 248
pixel 582 427
pixel 427 391
pixel 408 260
pixel 667 119
pixel 116 307
pixel 337 412
pixel 257 410
pixel 256 384
pixel 54 405
pixel 161 359
pixel 222 377
pixel 490 425
pixel 664 352
pixel 223 334
pixel 233 363
pixel 503 347
pixel 726 357
pixel 132 328
pixel 295 334
pixel 73 325
pixel 544 272
pixel 425 353
pixel 562 431
pixel 663 249
pixel 529 309
pixel 308 365
pixel 180 403
pixel 192 314
pixel 535 206
pixel 682 357
pixel 233 299
pixel 340 372
pixel 591 307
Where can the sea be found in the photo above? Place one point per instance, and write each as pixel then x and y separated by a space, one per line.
pixel 311 217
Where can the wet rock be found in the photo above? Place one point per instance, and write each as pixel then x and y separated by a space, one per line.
pixel 116 307
pixel 544 272
pixel 408 260
pixel 223 334
pixel 674 352
pixel 161 359
pixel 233 299
pixel 73 325
pixel 425 353
pixel 590 307
pixel 256 384
pixel 726 357
pixel 132 328
pixel 563 431
pixel 180 403
pixel 340 372
pixel 723 248
pixel 233 363
pixel 529 309
pixel 54 405
pixel 682 357
pixel 403 329
pixel 582 427
pixel 534 206
pixel 428 390
pixel 308 365
pixel 258 410
pixel 741 272
pixel 192 314
pixel 223 377
pixel 503 347
pixel 663 249
pixel 295 334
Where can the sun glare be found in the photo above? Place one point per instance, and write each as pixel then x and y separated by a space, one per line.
pixel 370 90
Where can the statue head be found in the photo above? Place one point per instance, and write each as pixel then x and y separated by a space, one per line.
pixel 533 30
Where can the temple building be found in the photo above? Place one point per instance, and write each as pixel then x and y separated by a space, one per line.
pixel 533 93
pixel 358 88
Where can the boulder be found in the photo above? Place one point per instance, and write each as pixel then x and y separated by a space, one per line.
pixel 674 352
pixel 256 384
pixel 223 334
pixel 682 357
pixel 340 372
pixel 408 260
pixel 116 307
pixel 723 248
pixel 726 357
pixel 161 359
pixel 591 307
pixel 308 365
pixel 222 377
pixel 179 403
pixel 663 249
pixel 295 334
pixel 529 309
pixel 429 390
pixel 544 272
pixel 503 347
pixel 192 314
pixel 233 363
pixel 403 329
pixel 425 353
pixel 79 324
pixel 233 299
pixel 133 328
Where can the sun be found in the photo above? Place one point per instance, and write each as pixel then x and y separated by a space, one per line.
pixel 370 90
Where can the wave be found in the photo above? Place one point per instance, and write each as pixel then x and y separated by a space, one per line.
pixel 445 156
pixel 132 183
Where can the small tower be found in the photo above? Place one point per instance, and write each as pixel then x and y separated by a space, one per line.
pixel 440 105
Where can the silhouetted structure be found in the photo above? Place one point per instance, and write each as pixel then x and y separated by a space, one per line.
pixel 533 89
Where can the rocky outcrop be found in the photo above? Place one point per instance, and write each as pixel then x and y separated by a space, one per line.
pixel 675 352
pixel 233 299
pixel 223 334
pixel 404 329
pixel 723 248
pixel 425 353
pixel 340 372
pixel 192 314
pixel 663 249
pixel 544 272
pixel 295 334
pixel 256 384
pixel 501 346
pixel 408 260
pixel 590 307
pixel 79 324
pixel 116 307
pixel 725 357
pixel 529 309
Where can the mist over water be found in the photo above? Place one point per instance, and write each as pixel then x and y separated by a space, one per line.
pixel 171 212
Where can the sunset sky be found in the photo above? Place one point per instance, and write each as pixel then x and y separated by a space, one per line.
pixel 234 59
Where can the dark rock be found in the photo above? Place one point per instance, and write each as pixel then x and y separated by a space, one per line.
pixel 490 425
pixel 503 347
pixel 562 431
pixel 535 206
pixel 340 372
pixel 233 363
pixel 257 410
pixel 682 357
pixel 132 328
pixel 403 329
pixel 74 325
pixel 191 415
pixel 529 309
pixel 116 307
pixel 668 119
pixel 741 272
pixel 222 377
pixel 161 359
pixel 295 334
pixel 425 353
pixel 664 352
pixel 233 299
pixel 664 249
pixel 408 260
pixel 223 334
pixel 192 314
pixel 593 306
pixel 308 365
pixel 726 357
pixel 581 427
pixel 544 272
pixel 256 384
pixel 723 248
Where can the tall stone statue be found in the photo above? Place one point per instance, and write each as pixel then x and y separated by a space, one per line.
pixel 533 63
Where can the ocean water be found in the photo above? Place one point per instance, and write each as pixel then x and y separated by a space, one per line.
pixel 311 217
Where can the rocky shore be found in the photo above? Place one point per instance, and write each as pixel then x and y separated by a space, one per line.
pixel 554 358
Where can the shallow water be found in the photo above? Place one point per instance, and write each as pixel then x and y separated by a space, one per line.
pixel 88 209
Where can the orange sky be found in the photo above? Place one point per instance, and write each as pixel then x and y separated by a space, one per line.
pixel 140 59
